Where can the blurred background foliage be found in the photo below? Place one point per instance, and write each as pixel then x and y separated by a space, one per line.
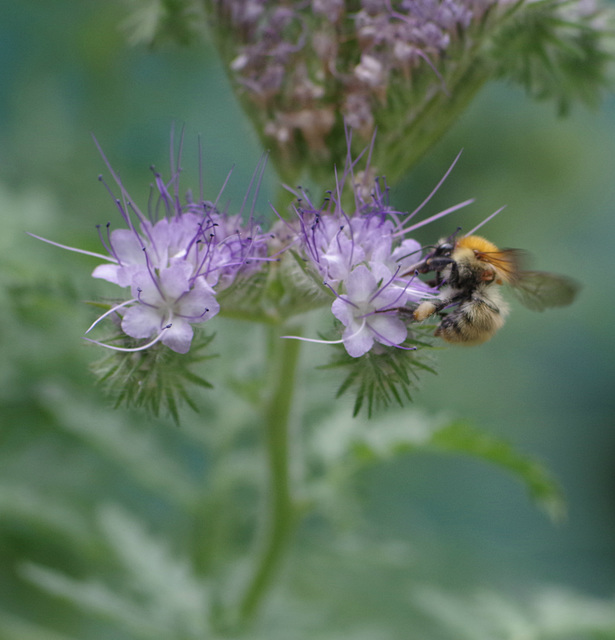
pixel 424 546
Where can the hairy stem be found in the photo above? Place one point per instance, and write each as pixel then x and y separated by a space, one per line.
pixel 280 515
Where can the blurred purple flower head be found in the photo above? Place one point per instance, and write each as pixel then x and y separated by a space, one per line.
pixel 303 63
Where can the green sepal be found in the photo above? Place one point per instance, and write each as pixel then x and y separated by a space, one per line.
pixel 384 375
pixel 156 379
pixel 280 290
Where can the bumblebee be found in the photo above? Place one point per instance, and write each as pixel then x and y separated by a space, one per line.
pixel 469 272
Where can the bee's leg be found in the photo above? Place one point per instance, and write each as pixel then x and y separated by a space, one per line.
pixel 436 282
pixel 429 307
pixel 407 313
pixel 403 312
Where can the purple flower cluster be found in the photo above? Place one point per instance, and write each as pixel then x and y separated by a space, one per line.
pixel 366 259
pixel 174 264
pixel 289 57
pixel 178 258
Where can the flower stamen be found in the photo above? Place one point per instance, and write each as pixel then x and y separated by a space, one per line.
pixel 131 350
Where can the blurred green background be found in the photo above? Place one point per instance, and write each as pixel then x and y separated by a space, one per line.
pixel 545 382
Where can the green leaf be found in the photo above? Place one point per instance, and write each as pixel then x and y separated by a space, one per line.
pixel 23 504
pixel 152 22
pixel 157 597
pixel 12 628
pixel 418 433
pixel 93 597
pixel 544 613
pixel 131 448
pixel 462 437
pixel 558 50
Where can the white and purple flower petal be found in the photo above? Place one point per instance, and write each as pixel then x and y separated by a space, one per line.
pixel 178 336
pixel 141 321
pixel 370 294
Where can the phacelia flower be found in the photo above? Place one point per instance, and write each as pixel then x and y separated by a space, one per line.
pixel 358 45
pixel 355 253
pixel 307 67
pixel 408 68
pixel 174 264
pixel 366 259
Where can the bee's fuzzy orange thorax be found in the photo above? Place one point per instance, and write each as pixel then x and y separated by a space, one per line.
pixel 477 243
pixel 504 261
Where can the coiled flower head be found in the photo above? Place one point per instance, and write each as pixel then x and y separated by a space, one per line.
pixel 365 259
pixel 174 260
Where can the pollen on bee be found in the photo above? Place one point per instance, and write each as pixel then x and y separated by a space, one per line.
pixel 424 310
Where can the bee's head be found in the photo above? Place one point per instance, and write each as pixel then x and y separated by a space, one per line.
pixel 444 249
pixel 439 258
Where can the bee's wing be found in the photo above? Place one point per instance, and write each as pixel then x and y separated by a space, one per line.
pixel 538 290
pixel 507 262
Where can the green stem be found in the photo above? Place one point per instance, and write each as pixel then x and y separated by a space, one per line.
pixel 281 513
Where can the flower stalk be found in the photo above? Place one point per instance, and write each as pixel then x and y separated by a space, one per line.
pixel 281 512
